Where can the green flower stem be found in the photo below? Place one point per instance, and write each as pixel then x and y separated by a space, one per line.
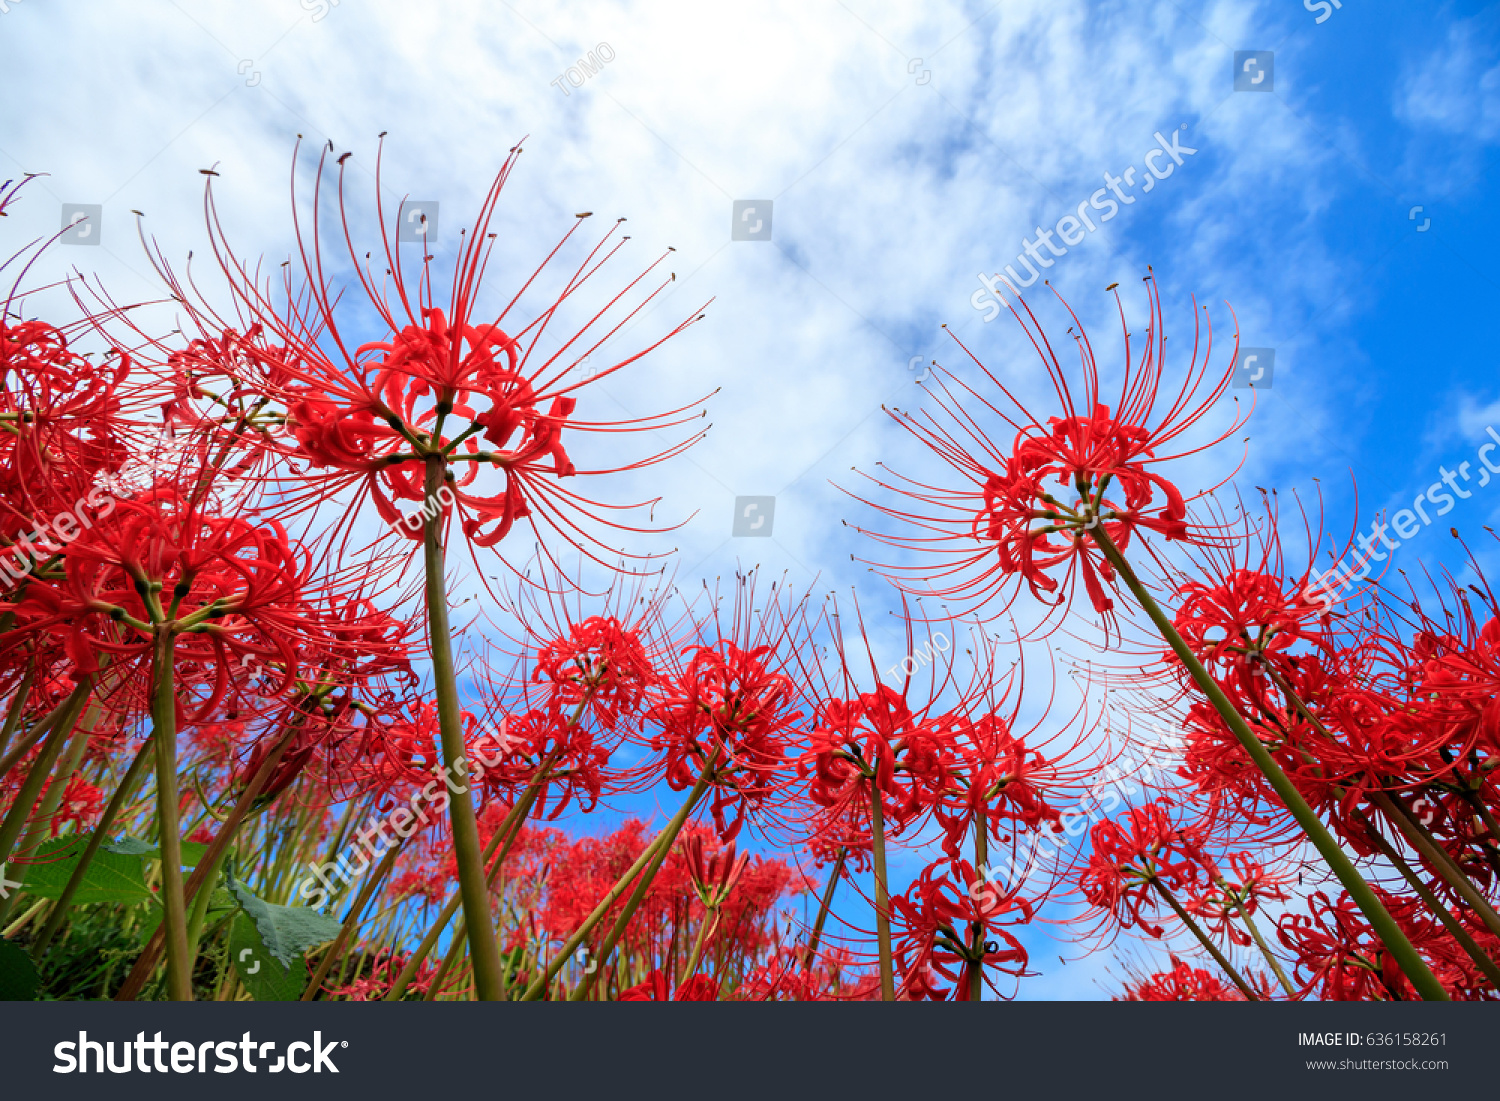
pixel 164 737
pixel 351 922
pixel 705 930
pixel 823 907
pixel 1203 939
pixel 981 859
pixel 509 830
pixel 1431 901
pixel 1410 828
pixel 882 897
pixel 1386 929
pixel 42 727
pixel 1437 858
pixel 25 919
pixel 538 988
pixel 200 903
pixel 17 706
pixel 1265 949
pixel 57 783
pixel 516 817
pixel 145 964
pixel 59 726
pixel 478 923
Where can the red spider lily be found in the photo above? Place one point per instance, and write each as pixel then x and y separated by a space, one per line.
pixel 714 875
pixel 374 986
pixel 787 978
pixel 576 763
pixel 728 696
pixel 843 828
pixel 899 742
pixel 368 415
pixel 1339 956
pixel 232 585
pixel 1028 512
pixel 1183 983
pixel 1129 860
pixel 1219 904
pixel 873 743
pixel 600 663
pixel 673 911
pixel 1240 609
pixel 199 578
pixel 62 423
pixel 1004 783
pixel 78 805
pixel 1244 621
pixel 700 988
pixel 944 932
pixel 731 707
pixel 1000 777
pixel 593 659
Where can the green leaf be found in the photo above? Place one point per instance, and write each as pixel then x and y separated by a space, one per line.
pixel 111 877
pixel 192 851
pixel 286 931
pixel 267 978
pixel 18 977
pixel 130 846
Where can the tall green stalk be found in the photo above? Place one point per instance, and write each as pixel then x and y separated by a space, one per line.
pixel 478 922
pixel 981 860
pixel 1396 942
pixel 41 819
pixel 1437 858
pixel 1454 927
pixel 539 986
pixel 824 906
pixel 335 953
pixel 1209 946
pixel 509 830
pixel 164 735
pixel 17 706
pixel 882 897
pixel 145 963
pixel 61 720
pixel 1260 942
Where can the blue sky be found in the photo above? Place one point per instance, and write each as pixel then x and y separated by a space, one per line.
pixel 907 149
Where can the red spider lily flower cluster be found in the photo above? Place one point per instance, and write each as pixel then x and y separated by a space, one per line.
pixel 1296 740
pixel 206 639
pixel 489 397
pixel 1030 510
pixel 1183 983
